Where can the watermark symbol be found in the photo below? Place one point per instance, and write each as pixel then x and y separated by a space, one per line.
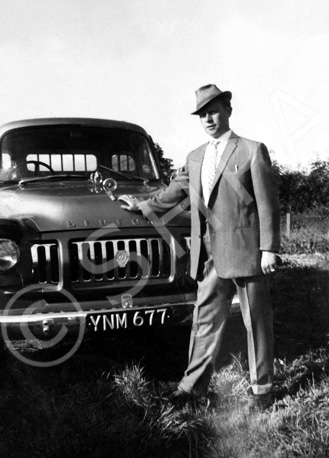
pixel 302 128
pixel 31 314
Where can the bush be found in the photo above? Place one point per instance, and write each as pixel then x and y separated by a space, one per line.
pixel 300 190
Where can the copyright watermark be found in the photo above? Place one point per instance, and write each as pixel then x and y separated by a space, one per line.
pixel 33 314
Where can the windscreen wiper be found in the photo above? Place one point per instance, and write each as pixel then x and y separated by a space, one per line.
pixel 62 176
pixel 124 175
pixel 8 182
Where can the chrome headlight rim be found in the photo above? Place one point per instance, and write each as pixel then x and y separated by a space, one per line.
pixel 9 254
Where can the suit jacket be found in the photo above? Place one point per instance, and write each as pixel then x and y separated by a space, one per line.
pixel 242 214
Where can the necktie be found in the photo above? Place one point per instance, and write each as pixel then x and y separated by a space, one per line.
pixel 212 163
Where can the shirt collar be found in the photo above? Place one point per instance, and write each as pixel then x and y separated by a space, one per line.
pixel 223 138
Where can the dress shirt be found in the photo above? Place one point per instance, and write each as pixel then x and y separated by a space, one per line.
pixel 206 171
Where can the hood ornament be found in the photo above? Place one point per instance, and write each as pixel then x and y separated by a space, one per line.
pixel 108 185
pixel 96 178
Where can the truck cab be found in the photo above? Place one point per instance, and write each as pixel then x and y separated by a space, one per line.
pixel 69 254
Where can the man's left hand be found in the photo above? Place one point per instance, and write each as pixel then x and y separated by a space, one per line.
pixel 268 262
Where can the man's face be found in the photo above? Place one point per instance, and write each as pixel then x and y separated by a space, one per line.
pixel 215 118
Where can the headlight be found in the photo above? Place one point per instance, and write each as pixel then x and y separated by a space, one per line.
pixel 9 254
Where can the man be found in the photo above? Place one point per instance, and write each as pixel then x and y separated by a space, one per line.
pixel 234 241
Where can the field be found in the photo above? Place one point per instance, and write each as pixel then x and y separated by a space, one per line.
pixel 108 399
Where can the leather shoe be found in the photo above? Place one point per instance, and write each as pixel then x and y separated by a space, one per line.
pixel 181 397
pixel 260 402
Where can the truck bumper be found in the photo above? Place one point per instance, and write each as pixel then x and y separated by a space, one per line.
pixel 46 324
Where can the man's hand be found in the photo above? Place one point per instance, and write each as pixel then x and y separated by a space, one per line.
pixel 131 202
pixel 268 262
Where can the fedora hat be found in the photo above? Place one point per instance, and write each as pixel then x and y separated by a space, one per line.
pixel 206 94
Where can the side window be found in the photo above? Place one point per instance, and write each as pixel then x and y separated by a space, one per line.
pixel 123 162
pixel 148 163
pixel 6 161
pixel 6 164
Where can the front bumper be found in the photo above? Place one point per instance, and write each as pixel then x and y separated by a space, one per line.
pixel 74 319
pixel 45 324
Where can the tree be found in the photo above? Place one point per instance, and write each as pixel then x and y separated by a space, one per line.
pixel 319 183
pixel 299 190
pixel 165 163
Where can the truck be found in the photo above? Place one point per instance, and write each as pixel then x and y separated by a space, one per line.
pixel 70 257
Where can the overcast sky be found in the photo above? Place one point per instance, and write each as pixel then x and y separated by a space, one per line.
pixel 142 60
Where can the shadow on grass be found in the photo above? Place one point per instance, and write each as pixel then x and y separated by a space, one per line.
pixel 300 296
pixel 98 404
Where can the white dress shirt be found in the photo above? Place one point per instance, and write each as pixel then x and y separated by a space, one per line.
pixel 207 165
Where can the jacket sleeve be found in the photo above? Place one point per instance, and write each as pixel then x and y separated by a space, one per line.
pixel 168 198
pixel 266 195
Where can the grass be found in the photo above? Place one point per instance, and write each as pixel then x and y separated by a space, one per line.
pixel 309 232
pixel 109 399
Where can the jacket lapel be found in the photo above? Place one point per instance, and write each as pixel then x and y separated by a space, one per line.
pixel 195 172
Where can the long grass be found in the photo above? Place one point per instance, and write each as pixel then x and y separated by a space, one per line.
pixel 123 413
pixel 309 232
pixel 109 400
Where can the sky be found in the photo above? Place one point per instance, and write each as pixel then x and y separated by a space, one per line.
pixel 142 60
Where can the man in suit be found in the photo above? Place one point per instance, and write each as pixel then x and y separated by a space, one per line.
pixel 234 241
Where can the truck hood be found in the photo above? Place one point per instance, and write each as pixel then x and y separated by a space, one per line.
pixel 69 206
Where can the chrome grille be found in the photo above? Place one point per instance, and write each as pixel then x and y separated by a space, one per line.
pixel 99 261
pixel 45 265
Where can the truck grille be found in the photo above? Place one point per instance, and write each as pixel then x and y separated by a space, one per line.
pixel 115 260
pixel 106 261
pixel 45 266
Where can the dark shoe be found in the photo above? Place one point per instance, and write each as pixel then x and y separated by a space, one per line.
pixel 260 402
pixel 181 397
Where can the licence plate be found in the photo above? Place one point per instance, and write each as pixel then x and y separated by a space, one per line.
pixel 128 319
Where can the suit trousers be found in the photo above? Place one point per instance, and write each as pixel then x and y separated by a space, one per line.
pixel 211 312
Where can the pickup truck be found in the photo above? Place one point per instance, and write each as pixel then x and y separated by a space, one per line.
pixel 70 257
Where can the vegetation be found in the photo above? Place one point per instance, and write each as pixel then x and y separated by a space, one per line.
pixel 165 163
pixel 305 196
pixel 109 399
pixel 309 232
pixel 301 190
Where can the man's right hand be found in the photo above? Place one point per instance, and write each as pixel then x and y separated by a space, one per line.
pixel 131 202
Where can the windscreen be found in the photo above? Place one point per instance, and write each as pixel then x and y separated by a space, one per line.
pixel 49 150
